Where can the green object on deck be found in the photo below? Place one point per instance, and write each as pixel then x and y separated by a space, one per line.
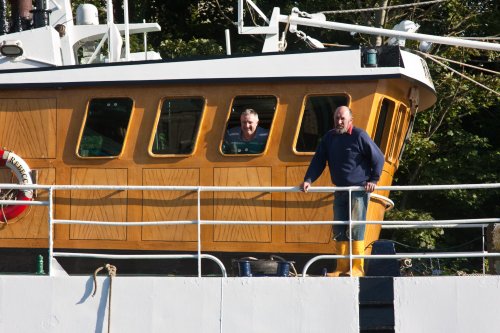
pixel 39 265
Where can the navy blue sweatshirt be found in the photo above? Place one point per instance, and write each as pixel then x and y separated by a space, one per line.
pixel 353 159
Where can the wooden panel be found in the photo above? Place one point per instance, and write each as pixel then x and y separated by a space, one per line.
pixel 96 205
pixel 308 207
pixel 170 205
pixel 242 206
pixel 27 126
pixel 33 223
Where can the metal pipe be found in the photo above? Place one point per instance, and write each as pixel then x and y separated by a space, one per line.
pixel 291 189
pixel 109 21
pixel 388 33
pixel 127 30
pixel 145 40
pixel 143 256
pixel 41 14
pixel 51 229
pixel 228 42
pixel 198 230
pixel 402 256
pixel 3 17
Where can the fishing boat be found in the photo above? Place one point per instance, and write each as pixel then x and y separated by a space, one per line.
pixel 120 156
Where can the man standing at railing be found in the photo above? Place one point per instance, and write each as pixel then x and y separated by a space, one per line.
pixel 354 160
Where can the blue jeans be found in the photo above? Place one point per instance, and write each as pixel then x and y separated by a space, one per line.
pixel 359 202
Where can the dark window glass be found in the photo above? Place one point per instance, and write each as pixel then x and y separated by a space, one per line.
pixel 411 122
pixel 265 107
pixel 384 124
pixel 317 120
pixel 178 125
pixel 105 127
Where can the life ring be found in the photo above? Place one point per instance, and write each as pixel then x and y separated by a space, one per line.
pixel 23 174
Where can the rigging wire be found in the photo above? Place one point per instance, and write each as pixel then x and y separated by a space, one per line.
pixel 481 38
pixel 467 65
pixel 427 250
pixel 380 8
pixel 457 72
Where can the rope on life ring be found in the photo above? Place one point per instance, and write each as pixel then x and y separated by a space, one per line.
pixel 23 174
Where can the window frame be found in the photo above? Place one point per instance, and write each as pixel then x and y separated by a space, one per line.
pixel 301 117
pixel 157 120
pixel 84 122
pixel 388 126
pixel 228 117
pixel 402 121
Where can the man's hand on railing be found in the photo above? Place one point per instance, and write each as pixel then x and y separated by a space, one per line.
pixel 370 187
pixel 304 187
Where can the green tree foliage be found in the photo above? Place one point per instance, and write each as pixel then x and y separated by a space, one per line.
pixel 457 140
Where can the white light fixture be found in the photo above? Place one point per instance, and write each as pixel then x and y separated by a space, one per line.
pixel 11 48
pixel 425 46
pixel 406 26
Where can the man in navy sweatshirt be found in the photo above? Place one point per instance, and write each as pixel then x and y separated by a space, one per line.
pixel 354 160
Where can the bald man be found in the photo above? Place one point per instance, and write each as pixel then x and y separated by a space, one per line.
pixel 354 160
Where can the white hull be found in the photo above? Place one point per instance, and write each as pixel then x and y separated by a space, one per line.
pixel 167 304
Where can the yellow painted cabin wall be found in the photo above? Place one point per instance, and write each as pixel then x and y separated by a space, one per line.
pixel 43 127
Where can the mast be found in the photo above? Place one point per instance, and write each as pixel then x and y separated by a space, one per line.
pixel 390 33
pixel 293 20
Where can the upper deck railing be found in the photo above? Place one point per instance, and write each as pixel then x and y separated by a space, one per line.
pixel 455 223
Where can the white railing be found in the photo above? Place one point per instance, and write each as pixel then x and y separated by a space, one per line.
pixel 389 204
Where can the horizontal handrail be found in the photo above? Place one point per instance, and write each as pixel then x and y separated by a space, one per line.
pixel 402 224
pixel 255 188
pixel 481 254
pixel 142 256
pixel 23 203
pixel 457 223
pixel 430 226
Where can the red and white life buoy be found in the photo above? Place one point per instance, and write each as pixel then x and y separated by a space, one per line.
pixel 23 174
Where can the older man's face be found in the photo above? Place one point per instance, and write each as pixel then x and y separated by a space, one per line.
pixel 249 124
pixel 342 120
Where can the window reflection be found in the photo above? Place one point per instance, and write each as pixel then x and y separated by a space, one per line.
pixel 105 127
pixel 178 126
pixel 317 119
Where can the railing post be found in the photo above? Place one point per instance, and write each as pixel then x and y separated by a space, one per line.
pixel 51 229
pixel 199 231
pixel 484 248
pixel 350 231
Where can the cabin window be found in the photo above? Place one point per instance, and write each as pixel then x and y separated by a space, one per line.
pixel 317 119
pixel 384 122
pixel 400 132
pixel 105 127
pixel 234 141
pixel 177 126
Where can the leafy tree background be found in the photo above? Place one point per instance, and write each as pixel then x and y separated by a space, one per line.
pixel 454 142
